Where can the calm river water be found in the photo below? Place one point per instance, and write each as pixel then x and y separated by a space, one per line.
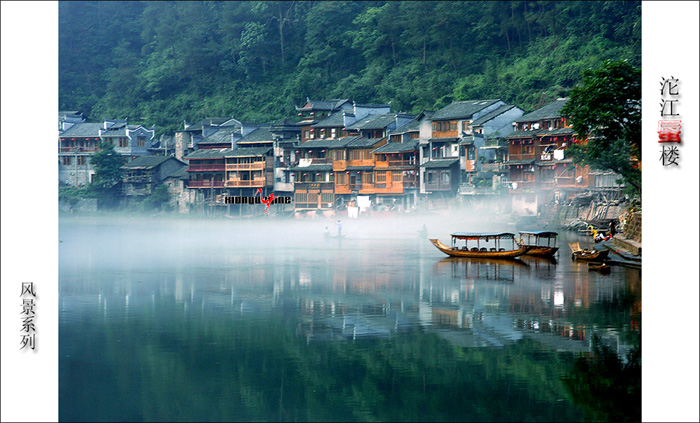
pixel 264 320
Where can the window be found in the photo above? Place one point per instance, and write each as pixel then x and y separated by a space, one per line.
pixel 66 160
pixel 368 178
pixel 307 134
pixel 397 177
pixel 333 132
pixel 123 142
pixel 81 160
pixel 327 197
pixel 354 154
pixel 340 179
pixel 381 177
pixel 141 141
pixel 471 154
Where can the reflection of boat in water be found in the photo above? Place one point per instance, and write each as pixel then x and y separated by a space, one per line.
pixel 535 240
pixel 489 269
pixel 577 253
pixel 493 251
pixel 599 267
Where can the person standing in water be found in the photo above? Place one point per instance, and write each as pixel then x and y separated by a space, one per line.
pixel 340 228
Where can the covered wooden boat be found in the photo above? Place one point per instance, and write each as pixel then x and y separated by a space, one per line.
pixel 577 253
pixel 536 241
pixel 487 245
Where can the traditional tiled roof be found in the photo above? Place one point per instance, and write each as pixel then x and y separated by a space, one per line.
pixel 215 153
pixel 398 147
pixel 334 120
pixel 362 142
pixel 147 162
pixel 380 121
pixel 328 143
pixel 329 105
pixel 259 135
pixel 462 109
pixel 547 112
pixel 83 130
pixel 488 116
pixel 224 135
pixel 248 151
pixel 358 168
pixel 539 133
pixel 452 139
pixel 439 163
pixel 313 168
pixel 411 126
pixel 180 173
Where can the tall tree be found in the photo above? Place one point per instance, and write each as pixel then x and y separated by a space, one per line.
pixel 606 109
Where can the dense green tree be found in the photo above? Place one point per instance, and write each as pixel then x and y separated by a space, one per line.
pixel 606 109
pixel 108 174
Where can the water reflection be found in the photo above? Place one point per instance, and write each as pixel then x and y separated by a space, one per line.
pixel 370 329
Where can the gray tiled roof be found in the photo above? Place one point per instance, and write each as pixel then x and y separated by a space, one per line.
pixel 487 117
pixel 363 142
pixel 452 139
pixel 313 168
pixel 215 153
pixel 380 121
pixel 262 134
pixel 398 147
pixel 462 109
pixel 324 104
pixel 439 163
pixel 146 162
pixel 83 130
pixel 547 112
pixel 410 126
pixel 224 135
pixel 248 151
pixel 334 120
pixel 180 173
pixel 539 133
pixel 520 162
pixel 328 143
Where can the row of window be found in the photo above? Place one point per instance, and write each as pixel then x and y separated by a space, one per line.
pixel 68 160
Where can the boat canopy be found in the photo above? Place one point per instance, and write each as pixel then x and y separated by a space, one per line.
pixel 541 234
pixel 485 235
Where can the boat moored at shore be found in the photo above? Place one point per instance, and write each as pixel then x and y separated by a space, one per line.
pixel 488 245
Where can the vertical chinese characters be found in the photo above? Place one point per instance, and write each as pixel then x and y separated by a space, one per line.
pixel 669 129
pixel 27 315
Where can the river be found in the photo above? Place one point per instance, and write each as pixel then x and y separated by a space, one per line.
pixel 165 319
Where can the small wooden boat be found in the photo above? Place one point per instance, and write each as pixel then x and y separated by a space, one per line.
pixel 490 249
pixel 599 267
pixel 535 240
pixel 577 253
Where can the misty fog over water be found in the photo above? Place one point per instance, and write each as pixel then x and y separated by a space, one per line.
pixel 177 319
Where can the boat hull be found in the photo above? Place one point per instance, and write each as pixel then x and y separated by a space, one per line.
pixel 454 252
pixel 542 251
pixel 588 255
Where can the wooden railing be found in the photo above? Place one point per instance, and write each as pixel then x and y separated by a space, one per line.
pixel 205 184
pixel 438 187
pixel 235 183
pixel 246 166
pixel 206 168
pixel 513 157
pixel 495 143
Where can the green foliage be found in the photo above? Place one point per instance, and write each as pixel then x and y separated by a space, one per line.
pixel 108 175
pixel 160 63
pixel 606 107
pixel 158 198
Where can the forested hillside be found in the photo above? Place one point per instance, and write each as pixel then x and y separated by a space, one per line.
pixel 164 62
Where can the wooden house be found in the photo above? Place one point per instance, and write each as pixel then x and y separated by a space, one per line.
pixel 76 145
pixel 142 174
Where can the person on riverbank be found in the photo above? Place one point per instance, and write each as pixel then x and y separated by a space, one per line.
pixel 612 228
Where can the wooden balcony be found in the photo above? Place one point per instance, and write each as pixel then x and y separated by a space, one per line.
pixel 239 183
pixel 205 184
pixel 495 143
pixel 248 166
pixel 206 168
pixel 513 157
pixel 396 163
